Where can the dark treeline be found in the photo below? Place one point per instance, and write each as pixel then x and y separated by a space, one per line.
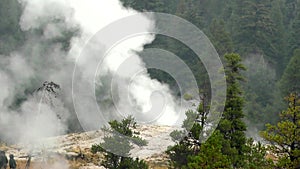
pixel 259 44
pixel 266 33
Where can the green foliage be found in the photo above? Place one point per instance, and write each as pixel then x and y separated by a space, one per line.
pixel 177 135
pixel 255 154
pixel 260 93
pixel 185 9
pixel 284 136
pixel 227 146
pixel 117 145
pixel 210 155
pixel 185 54
pixel 193 124
pixel 279 45
pixel 220 37
pixel 179 154
pixel 188 140
pixel 290 81
pixel 231 125
pixel 290 10
pixel 191 10
pixel 254 27
pixel 189 122
pixel 295 35
pixel 187 97
pixel 130 163
pixel 268 28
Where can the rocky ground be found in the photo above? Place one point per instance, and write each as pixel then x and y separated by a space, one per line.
pixel 72 151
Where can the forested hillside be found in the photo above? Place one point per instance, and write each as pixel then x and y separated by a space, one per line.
pixel 266 33
pixel 258 42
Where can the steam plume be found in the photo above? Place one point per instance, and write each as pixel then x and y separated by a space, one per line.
pixel 46 56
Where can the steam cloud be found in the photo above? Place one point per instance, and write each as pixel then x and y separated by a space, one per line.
pixel 45 57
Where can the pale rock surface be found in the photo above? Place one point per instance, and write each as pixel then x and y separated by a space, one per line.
pixel 73 145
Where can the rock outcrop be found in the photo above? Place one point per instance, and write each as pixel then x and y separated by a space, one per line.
pixel 75 148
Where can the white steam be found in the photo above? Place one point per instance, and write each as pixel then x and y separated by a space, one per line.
pixel 45 58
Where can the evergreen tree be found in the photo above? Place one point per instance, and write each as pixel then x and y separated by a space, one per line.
pixel 295 35
pixel 290 81
pixel 253 27
pixel 284 136
pixel 260 93
pixel 210 155
pixel 243 25
pixel 189 140
pixel 116 148
pixel 279 38
pixel 255 156
pixel 291 11
pixel 220 37
pixel 231 125
pixel 192 11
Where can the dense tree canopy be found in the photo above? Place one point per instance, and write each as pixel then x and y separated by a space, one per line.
pixel 264 29
pixel 285 136
pixel 290 81
pixel 231 125
pixel 267 28
pixel 117 144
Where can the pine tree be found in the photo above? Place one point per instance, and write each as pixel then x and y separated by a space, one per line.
pixel 192 11
pixel 188 143
pixel 295 35
pixel 255 156
pixel 284 136
pixel 220 37
pixel 259 93
pixel 291 20
pixel 243 25
pixel 210 155
pixel 280 37
pixel 231 125
pixel 291 11
pixel 253 27
pixel 189 140
pixel 290 81
pixel 116 147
